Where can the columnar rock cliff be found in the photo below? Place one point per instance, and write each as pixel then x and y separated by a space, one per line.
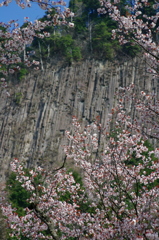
pixel 34 119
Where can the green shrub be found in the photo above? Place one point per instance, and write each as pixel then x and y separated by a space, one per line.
pixel 76 53
pixel 17 194
pixel 65 45
pixel 103 45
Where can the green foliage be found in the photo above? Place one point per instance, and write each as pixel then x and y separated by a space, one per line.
pixel 63 46
pixel 66 46
pixel 103 45
pixel 17 194
pixel 102 32
pixel 64 42
pixel 76 53
pixel 91 29
pixel 22 73
pixel 149 10
pixel 77 177
pixel 74 5
pixel 91 5
pixel 80 26
pixel 131 49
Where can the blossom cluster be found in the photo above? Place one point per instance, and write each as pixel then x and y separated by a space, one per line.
pixel 146 110
pixel 121 192
pixel 47 210
pixel 120 179
pixel 13 42
pixel 43 4
pixel 136 26
pixel 122 196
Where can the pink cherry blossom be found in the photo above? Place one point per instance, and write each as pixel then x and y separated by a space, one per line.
pixel 125 206
pixel 15 41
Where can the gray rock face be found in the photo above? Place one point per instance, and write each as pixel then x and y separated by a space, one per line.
pixel 34 119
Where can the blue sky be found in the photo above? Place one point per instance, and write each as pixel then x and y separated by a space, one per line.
pixel 14 12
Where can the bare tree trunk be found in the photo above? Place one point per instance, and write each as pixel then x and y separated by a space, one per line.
pixel 48 51
pixel 46 220
pixel 90 32
pixel 41 61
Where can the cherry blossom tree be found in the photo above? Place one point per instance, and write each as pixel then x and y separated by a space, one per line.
pixel 46 214
pixel 136 25
pixel 121 192
pixel 142 109
pixel 121 196
pixel 13 42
